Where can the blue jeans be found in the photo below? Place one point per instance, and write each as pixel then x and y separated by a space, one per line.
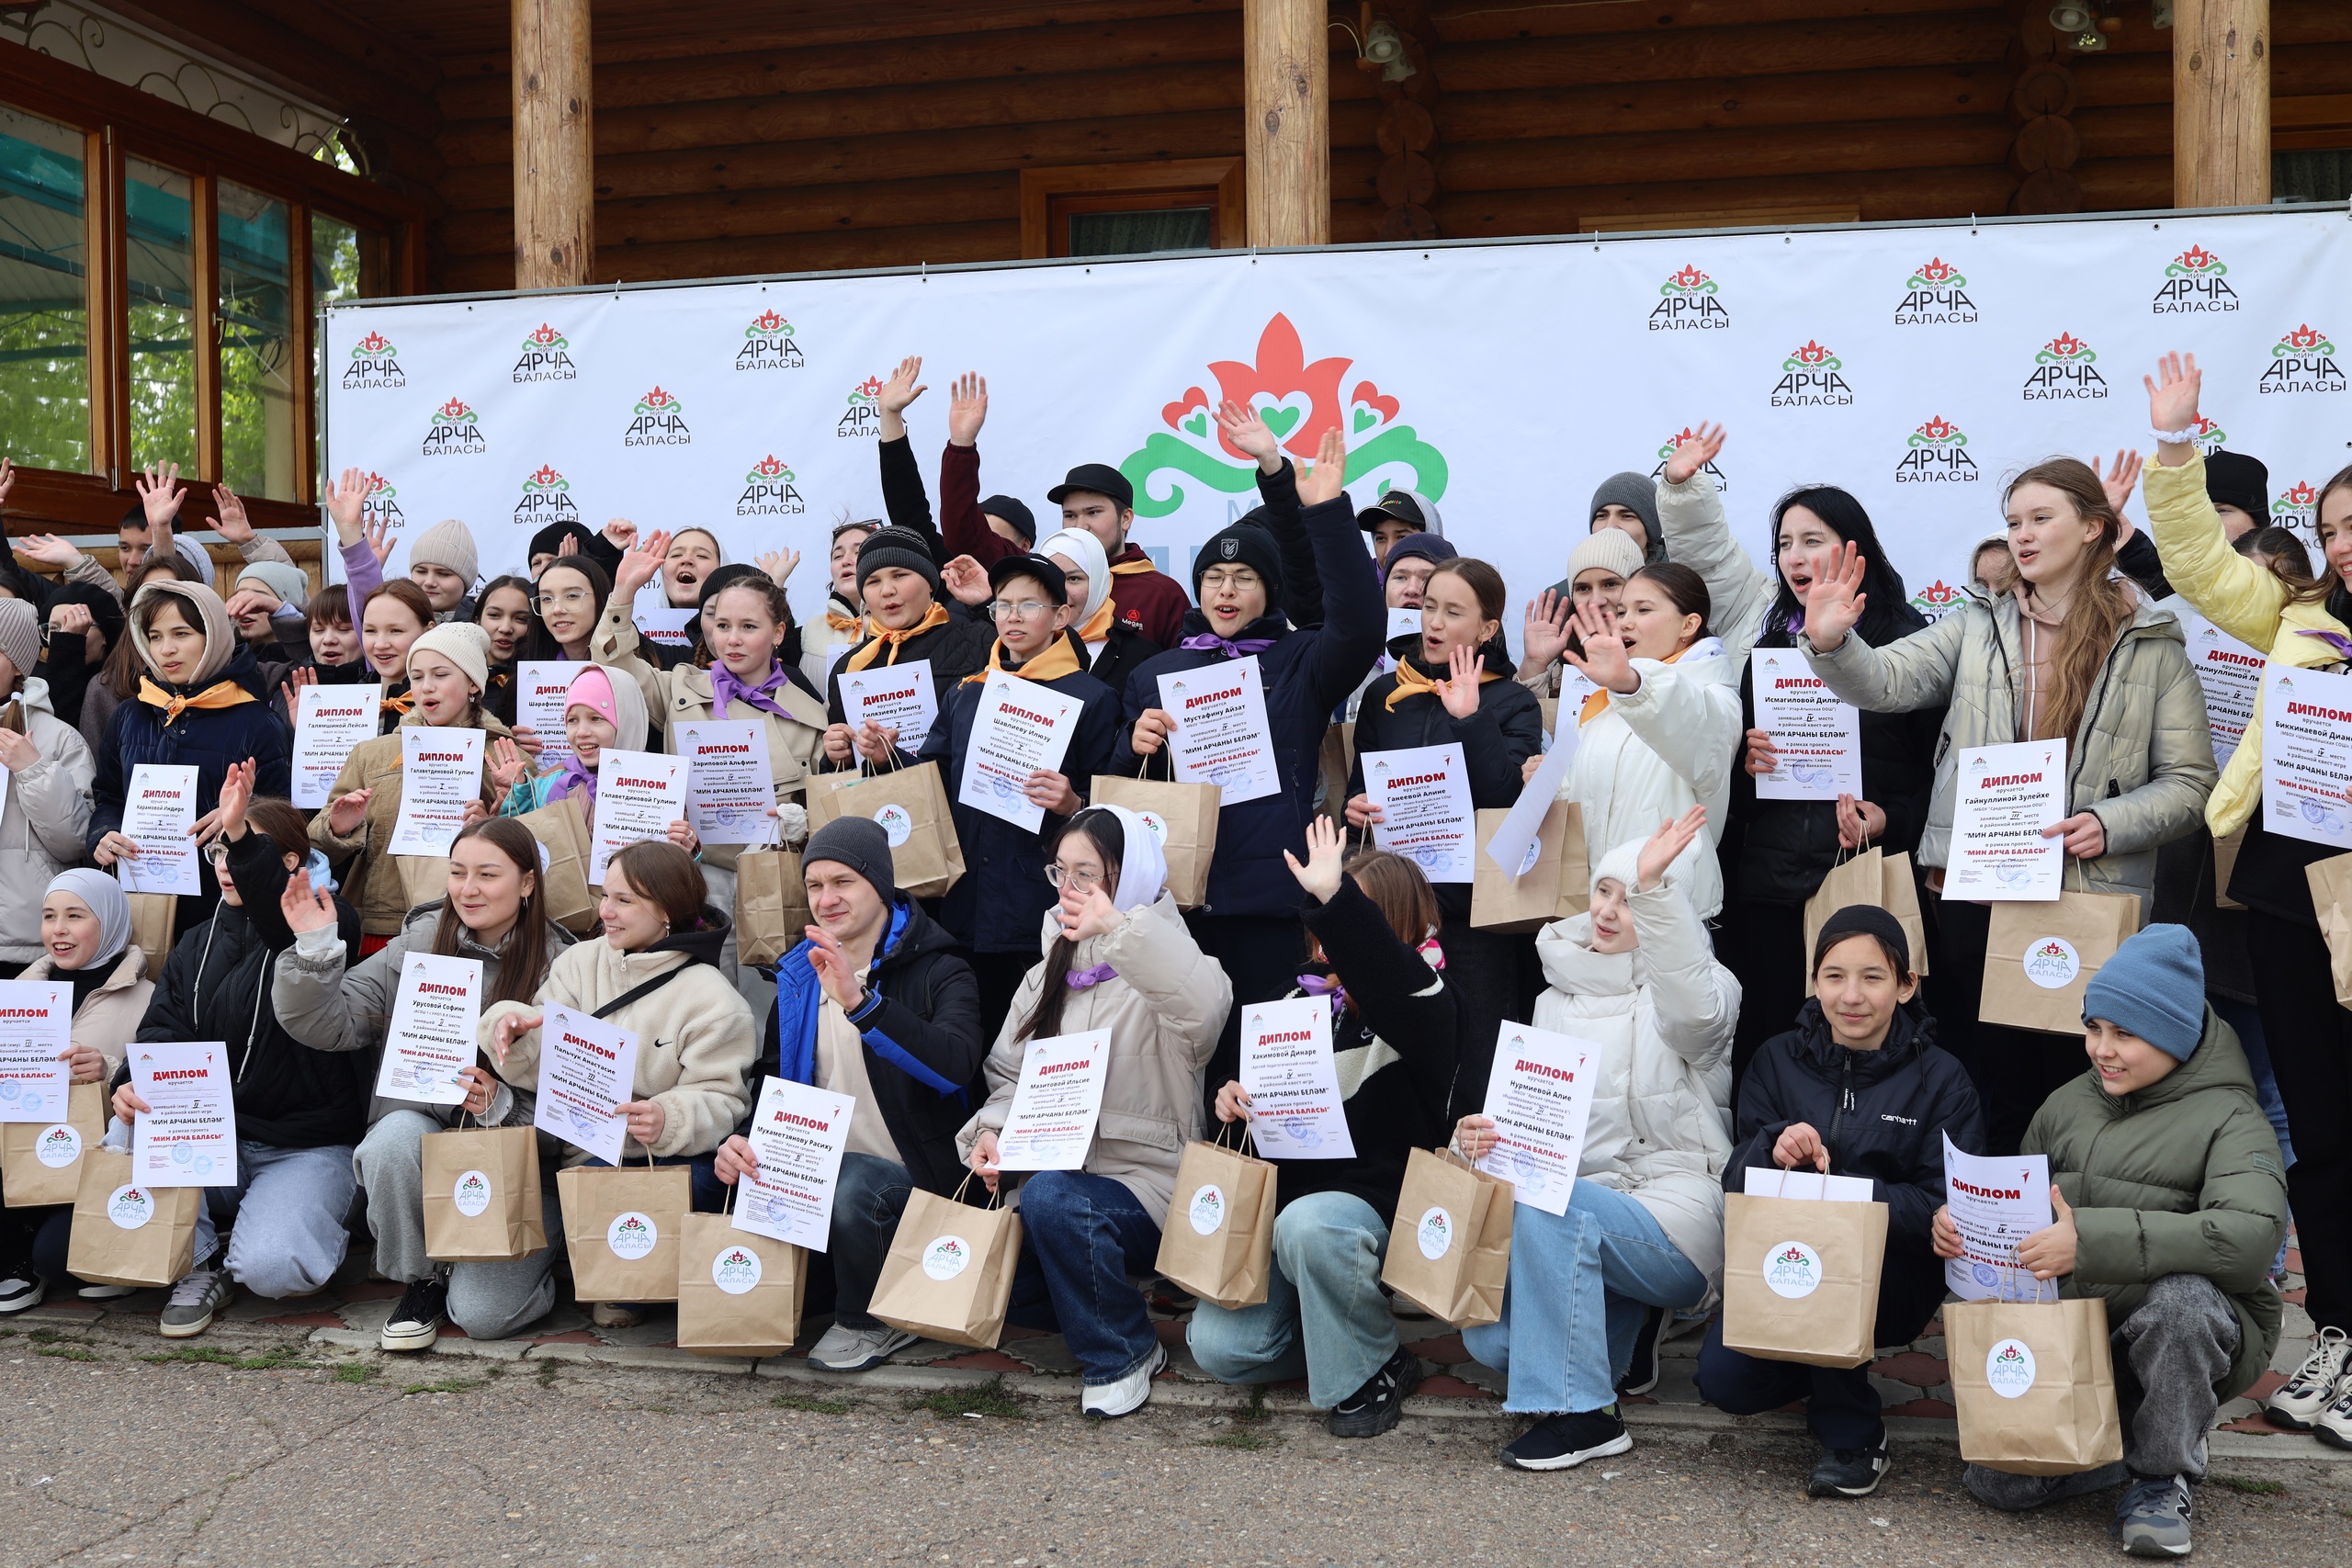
pixel 869 1197
pixel 289 1208
pixel 1578 1284
pixel 1324 1313
pixel 1083 1241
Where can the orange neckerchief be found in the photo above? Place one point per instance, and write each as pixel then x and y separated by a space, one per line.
pixel 849 624
pixel 1594 702
pixel 402 704
pixel 1135 567
pixel 1098 624
pixel 1058 660
pixel 934 616
pixel 226 695
pixel 1411 682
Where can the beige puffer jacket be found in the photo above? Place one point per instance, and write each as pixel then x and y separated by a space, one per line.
pixel 382 896
pixel 2142 760
pixel 1164 1007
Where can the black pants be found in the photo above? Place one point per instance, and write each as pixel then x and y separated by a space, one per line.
pixel 1485 969
pixel 1764 945
pixel 1841 1405
pixel 2309 1037
pixel 1262 955
pixel 2014 1070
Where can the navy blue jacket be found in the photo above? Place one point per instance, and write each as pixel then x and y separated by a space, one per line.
pixel 212 738
pixel 999 904
pixel 1307 675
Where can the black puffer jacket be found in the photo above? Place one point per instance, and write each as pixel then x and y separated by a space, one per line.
pixel 216 985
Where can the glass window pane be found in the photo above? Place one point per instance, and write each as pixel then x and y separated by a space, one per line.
pixel 44 297
pixel 347 263
pixel 1139 233
pixel 163 315
pixel 257 370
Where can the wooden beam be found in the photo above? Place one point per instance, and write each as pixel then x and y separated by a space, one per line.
pixel 204 328
pixel 1862 44
pixel 555 206
pixel 2221 130
pixel 1286 140
pixel 307 48
pixel 1790 151
pixel 940 243
pixel 1725 103
pixel 1473 21
pixel 1880 196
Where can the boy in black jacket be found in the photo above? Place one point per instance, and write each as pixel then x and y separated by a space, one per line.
pixel 1861 1088
pixel 1395 1044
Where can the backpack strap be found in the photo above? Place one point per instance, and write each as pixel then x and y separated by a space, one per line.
pixel 635 992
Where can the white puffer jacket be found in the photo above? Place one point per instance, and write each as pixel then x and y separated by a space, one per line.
pixel 44 825
pixel 1663 1015
pixel 1655 754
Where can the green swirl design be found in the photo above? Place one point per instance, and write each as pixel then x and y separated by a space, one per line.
pixel 1162 453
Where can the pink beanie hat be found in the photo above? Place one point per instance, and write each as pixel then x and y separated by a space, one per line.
pixel 592 688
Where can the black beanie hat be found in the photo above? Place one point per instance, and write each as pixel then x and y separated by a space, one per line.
pixel 549 540
pixel 2240 481
pixel 859 843
pixel 1242 544
pixel 719 577
pixel 1016 511
pixel 899 548
pixel 1863 920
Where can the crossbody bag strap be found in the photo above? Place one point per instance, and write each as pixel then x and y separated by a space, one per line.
pixel 644 989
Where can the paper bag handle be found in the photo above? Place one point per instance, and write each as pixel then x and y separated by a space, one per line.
pixel 1247 1146
pixel 2011 1266
pixel 995 1199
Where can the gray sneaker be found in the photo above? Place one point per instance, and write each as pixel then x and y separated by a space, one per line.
pixel 2153 1518
pixel 196 1301
pixel 845 1350
pixel 2016 1494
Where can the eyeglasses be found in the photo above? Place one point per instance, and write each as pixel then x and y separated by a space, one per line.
pixel 1061 875
pixel 571 599
pixel 217 852
pixel 1234 577
pixel 1004 609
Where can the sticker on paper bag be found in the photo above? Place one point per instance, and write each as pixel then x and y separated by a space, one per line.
pixel 2009 1367
pixel 1435 1233
pixel 1207 1211
pixel 736 1269
pixel 631 1236
pixel 471 1195
pixel 1793 1270
pixel 2051 962
pixel 946 1258
pixel 130 1207
pixel 58 1146
pixel 897 822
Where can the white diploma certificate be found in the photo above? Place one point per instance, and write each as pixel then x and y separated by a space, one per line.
pixel 1021 728
pixel 36 1031
pixel 638 794
pixel 1295 1112
pixel 187 1135
pixel 1423 793
pixel 328 722
pixel 797 1134
pixel 1051 1122
pixel 2307 755
pixel 1221 736
pixel 1818 737
pixel 586 1067
pixel 1539 1093
pixel 440 772
pixel 2008 796
pixel 893 696
pixel 730 780
pixel 435 1032
pixel 159 816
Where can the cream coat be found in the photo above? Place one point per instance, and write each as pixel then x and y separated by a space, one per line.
pixel 44 826
pixel 1663 1015
pixel 1164 1008
pixel 108 1017
pixel 382 896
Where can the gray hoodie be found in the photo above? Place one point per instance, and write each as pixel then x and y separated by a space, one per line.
pixel 44 826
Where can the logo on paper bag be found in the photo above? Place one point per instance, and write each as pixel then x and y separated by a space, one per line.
pixel 736 1269
pixel 58 1146
pixel 1156 824
pixel 2051 962
pixel 897 822
pixel 547 356
pixel 546 498
pixel 375 366
pixel 456 432
pixel 2009 1367
pixel 1299 401
pixel 1937 453
pixel 631 1236
pixel 768 345
pixel 864 415
pixel 769 491
pixel 1935 294
pixel 946 1258
pixel 1435 1234
pixel 2062 369
pixel 1810 378
pixel 1207 1210
pixel 2194 282
pixel 657 420
pixel 1689 301
pixel 1534 852
pixel 471 1195
pixel 129 1207
pixel 1793 1270
pixel 2302 361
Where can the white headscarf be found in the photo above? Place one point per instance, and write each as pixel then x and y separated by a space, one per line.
pixel 1087 550
pixel 107 900
pixel 1143 867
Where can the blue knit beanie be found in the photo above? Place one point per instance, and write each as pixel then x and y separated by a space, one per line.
pixel 2154 988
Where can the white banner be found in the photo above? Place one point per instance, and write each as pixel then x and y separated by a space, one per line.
pixel 1914 365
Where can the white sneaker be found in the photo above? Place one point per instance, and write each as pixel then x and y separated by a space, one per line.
pixel 1113 1400
pixel 2298 1402
pixel 2333 1424
pixel 105 1292
pixel 842 1349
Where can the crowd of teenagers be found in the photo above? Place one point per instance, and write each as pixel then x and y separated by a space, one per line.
pixel 2199 1099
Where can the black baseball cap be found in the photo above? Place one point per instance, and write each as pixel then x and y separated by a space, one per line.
pixel 1039 569
pixel 1100 477
pixel 1403 506
pixel 1013 510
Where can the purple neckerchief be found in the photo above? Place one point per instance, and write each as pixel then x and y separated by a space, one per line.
pixel 1326 986
pixel 2336 640
pixel 574 780
pixel 726 686
pixel 1087 979
pixel 1238 650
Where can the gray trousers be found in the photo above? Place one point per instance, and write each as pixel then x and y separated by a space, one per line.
pixel 488 1301
pixel 2177 1343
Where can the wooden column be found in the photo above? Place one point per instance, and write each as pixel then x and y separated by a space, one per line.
pixel 1286 94
pixel 2221 103
pixel 555 195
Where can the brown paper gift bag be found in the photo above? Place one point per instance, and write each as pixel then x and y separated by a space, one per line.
pixel 950 1269
pixel 1800 1278
pixel 41 1162
pixel 2330 884
pixel 1185 817
pixel 1449 1252
pixel 2039 957
pixel 561 830
pixel 739 1293
pixel 911 806
pixel 1219 1239
pixel 127 1233
pixel 772 913
pixel 621 1225
pixel 154 917
pixel 1556 885
pixel 2034 1385
pixel 482 1199
pixel 1878 879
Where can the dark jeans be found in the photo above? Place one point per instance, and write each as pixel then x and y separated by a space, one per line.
pixel 1841 1407
pixel 52 1238
pixel 869 1199
pixel 2014 1070
pixel 2309 1037
pixel 1083 1240
pixel 1764 945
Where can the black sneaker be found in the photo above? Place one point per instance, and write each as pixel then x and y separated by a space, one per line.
pixel 22 1287
pixel 1379 1404
pixel 1564 1442
pixel 1848 1472
pixel 416 1322
pixel 1641 1373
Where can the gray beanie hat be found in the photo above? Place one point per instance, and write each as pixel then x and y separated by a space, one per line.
pixel 292 588
pixel 20 635
pixel 1637 494
pixel 447 543
pixel 901 548
pixel 859 843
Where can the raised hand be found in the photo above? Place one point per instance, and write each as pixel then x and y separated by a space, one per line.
pixel 348 812
pixel 1095 917
pixel 1604 661
pixel 378 536
pixel 903 386
pixel 236 793
pixel 1545 634
pixel 618 532
pixel 1329 475
pixel 231 523
pixel 1460 692
pixel 966 580
pixel 2119 479
pixel 306 909
pixel 967 409
pixel 159 494
pixel 1671 840
pixel 1320 874
pixel 1694 454
pixel 1248 432
pixel 508 763
pixel 779 564
pixel 298 679
pixel 638 563
pixel 346 502
pixel 2172 404
pixel 1837 602
pixel 8 479
pixel 46 548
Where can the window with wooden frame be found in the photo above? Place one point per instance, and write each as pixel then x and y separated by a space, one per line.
pixel 159 272
pixel 1107 209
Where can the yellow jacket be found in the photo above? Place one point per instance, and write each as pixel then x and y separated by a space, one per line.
pixel 2243 598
